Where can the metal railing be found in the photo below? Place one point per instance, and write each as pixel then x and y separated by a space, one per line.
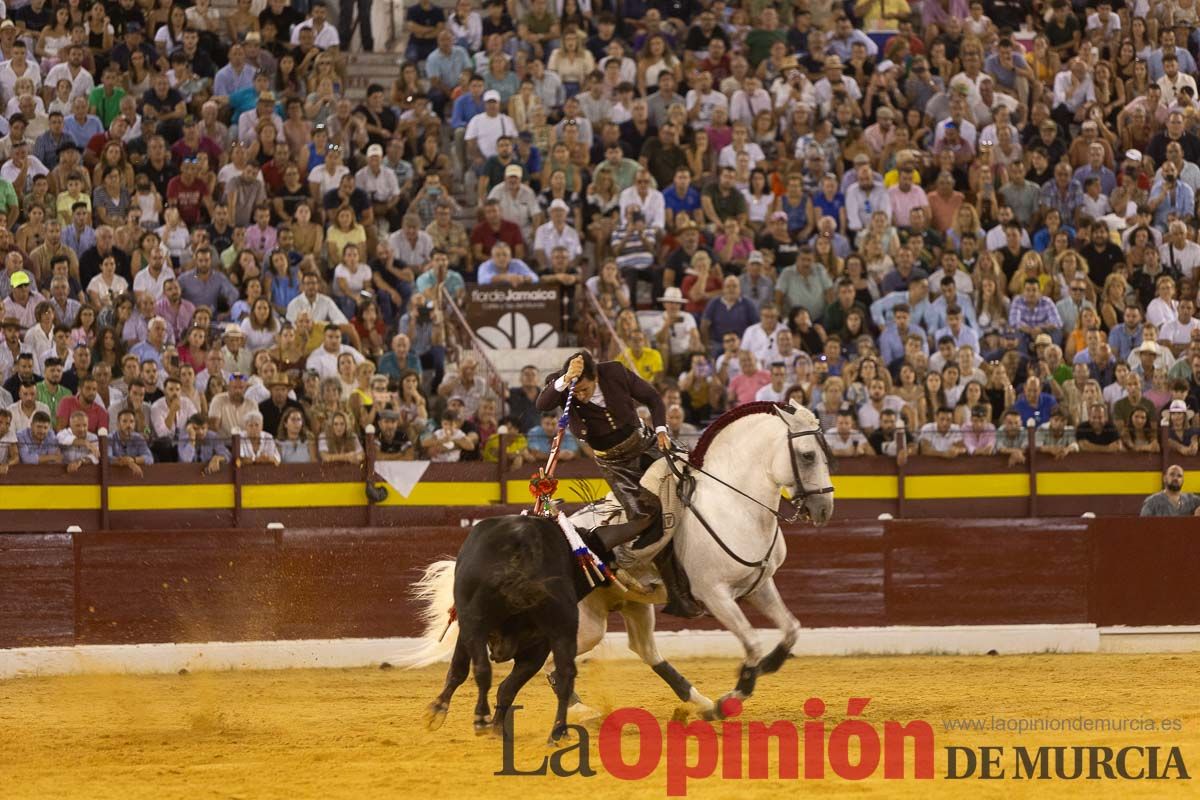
pixel 467 335
pixel 614 341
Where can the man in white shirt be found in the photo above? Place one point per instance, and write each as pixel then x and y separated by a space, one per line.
pixel 556 233
pixel 864 197
pixel 17 67
pixel 324 34
pixel 1179 252
pixel 760 337
pixel 1173 80
pixel 73 72
pixel 878 401
pixel 703 100
pixel 647 198
pixel 776 390
pixel 1177 333
pixel 325 358
pixel 151 279
pixel 169 414
pixel 484 130
pixel 320 307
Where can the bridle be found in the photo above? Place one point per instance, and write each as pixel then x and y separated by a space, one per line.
pixel 687 485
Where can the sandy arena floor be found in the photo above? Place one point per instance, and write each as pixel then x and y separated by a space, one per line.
pixel 358 734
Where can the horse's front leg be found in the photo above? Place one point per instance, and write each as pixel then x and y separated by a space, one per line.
pixel 719 601
pixel 639 623
pixel 767 600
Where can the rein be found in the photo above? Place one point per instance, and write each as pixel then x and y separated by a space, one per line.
pixel 687 486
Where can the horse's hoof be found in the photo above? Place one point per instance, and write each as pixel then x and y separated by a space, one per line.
pixel 579 714
pixel 711 714
pixel 483 726
pixel 435 715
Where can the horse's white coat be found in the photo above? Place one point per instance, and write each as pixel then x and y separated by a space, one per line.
pixel 754 454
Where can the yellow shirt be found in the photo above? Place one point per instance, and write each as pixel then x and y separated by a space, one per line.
pixel 64 202
pixel 648 365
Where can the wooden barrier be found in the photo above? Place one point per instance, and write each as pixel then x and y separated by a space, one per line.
pixel 46 498
pixel 193 585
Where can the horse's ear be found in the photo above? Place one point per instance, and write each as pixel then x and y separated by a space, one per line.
pixel 786 413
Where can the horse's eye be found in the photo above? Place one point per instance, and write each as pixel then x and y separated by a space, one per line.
pixel 810 458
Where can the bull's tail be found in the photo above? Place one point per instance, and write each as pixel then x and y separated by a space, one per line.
pixel 435 594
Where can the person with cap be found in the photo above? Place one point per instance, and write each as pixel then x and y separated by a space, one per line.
pixel 484 131
pixel 833 81
pixel 556 233
pixel 1172 501
pixel 380 185
pixel 249 120
pixel 518 203
pixel 677 335
pixel 23 299
pixel 1182 435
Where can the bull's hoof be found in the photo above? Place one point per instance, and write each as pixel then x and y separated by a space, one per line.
pixel 435 715
pixel 483 725
pixel 560 736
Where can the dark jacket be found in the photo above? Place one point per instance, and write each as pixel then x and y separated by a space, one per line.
pixel 623 392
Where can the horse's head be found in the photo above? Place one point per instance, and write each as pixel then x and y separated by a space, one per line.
pixel 805 464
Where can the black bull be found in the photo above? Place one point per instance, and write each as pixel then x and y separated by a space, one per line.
pixel 517 587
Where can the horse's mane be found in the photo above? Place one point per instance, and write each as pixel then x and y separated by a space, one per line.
pixel 724 421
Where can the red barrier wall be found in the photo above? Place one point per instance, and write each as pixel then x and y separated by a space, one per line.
pixel 229 585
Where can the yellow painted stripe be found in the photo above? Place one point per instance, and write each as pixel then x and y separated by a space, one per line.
pixel 865 487
pixel 1094 483
pixel 306 495
pixel 196 495
pixel 53 497
pixel 945 487
pixel 570 490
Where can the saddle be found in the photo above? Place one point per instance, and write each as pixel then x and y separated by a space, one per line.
pixel 637 557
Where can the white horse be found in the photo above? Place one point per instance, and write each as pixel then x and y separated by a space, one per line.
pixel 728 541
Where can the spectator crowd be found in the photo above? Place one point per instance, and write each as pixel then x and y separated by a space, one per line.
pixel 955 218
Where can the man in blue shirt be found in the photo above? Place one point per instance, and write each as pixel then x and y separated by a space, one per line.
pixel 1124 338
pixel 466 107
pixel 444 67
pixel 400 359
pixel 202 446
pixel 81 126
pixel 128 448
pixel 1170 196
pixel 539 439
pixel 681 198
pixel 729 313
pixel 502 268
pixel 35 443
pixel 1033 403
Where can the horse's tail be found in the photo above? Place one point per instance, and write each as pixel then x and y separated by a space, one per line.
pixel 434 592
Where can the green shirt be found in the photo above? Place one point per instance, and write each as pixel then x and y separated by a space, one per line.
pixel 8 196
pixel 107 106
pixel 52 399
pixel 758 44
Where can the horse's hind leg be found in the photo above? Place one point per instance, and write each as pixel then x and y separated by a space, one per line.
pixel 639 622
pixel 460 667
pixel 526 663
pixel 721 604
pixel 767 600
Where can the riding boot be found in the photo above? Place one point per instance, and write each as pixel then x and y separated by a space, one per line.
pixel 680 602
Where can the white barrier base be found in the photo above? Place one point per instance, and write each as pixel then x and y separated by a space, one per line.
pixel 347 653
